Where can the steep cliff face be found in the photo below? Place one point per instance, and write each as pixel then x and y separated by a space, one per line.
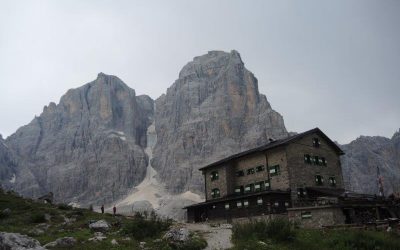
pixel 87 148
pixel 7 165
pixel 213 110
pixel 362 158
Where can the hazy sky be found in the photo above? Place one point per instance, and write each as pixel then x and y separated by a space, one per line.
pixel 331 64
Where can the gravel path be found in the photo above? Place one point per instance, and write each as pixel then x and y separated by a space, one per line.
pixel 216 237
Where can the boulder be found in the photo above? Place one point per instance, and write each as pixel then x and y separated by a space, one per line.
pixel 114 242
pixel 142 245
pixel 62 242
pixel 179 234
pixel 100 225
pixel 6 212
pixel 16 241
pixel 98 236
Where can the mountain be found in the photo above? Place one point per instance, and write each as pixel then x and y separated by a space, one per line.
pixel 92 147
pixel 103 144
pixel 212 110
pixel 7 165
pixel 87 148
pixel 362 158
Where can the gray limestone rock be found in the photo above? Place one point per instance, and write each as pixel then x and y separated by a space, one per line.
pixel 362 158
pixel 98 236
pixel 213 109
pixel 8 163
pixel 16 241
pixel 88 148
pixel 62 242
pixel 177 234
pixel 100 226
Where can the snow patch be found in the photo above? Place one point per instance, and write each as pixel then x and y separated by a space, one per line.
pixel 13 179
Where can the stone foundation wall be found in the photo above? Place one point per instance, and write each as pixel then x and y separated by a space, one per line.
pixel 316 217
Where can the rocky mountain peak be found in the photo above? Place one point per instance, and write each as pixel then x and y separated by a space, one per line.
pixel 90 143
pixel 212 110
pixel 396 135
pixel 209 64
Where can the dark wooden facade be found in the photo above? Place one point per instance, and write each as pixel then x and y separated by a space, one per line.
pixel 257 204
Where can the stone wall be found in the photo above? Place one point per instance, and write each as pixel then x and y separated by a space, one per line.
pixel 316 217
pixel 303 174
pixel 277 156
pixel 250 161
pixel 220 183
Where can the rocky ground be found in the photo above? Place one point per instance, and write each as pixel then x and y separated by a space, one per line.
pixel 28 224
pixel 217 237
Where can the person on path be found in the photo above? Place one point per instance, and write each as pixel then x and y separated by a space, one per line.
pixel 114 210
pixel 102 209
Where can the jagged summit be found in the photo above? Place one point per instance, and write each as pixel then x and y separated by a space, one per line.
pixel 90 143
pixel 212 110
pixel 396 134
pixel 211 63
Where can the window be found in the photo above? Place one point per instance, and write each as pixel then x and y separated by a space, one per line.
pixel 239 190
pixel 306 215
pixel 214 175
pixel 257 186
pixel 215 193
pixel 239 204
pixel 276 204
pixel 313 159
pixel 286 204
pixel 316 142
pixel 319 180
pixel 307 159
pixel 301 192
pixel 316 160
pixel 246 203
pixel 332 181
pixel 260 168
pixel 259 201
pixel 239 173
pixel 274 170
pixel 249 188
pixel 250 171
pixel 227 206
pixel 324 162
pixel 267 185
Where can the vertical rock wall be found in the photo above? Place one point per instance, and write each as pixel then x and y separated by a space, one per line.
pixel 89 147
pixel 212 110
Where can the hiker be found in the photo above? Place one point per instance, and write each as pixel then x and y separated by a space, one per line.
pixel 114 210
pixel 102 209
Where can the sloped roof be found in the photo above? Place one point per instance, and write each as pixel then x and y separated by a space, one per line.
pixel 275 144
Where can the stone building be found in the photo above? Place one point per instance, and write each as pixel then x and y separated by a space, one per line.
pixel 271 178
pixel 299 177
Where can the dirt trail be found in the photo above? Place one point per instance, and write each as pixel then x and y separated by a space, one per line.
pixel 216 237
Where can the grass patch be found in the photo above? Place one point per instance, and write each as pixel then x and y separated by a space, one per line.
pixel 278 230
pixel 37 217
pixel 140 228
pixel 260 235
